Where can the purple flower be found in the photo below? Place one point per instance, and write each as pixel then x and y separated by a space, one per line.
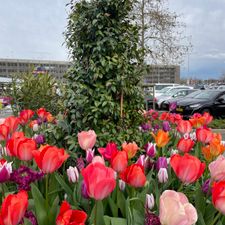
pixel 206 187
pixel 24 176
pixel 151 219
pixel 5 171
pixel 40 139
pixel 166 126
pixel 161 163
pixel 84 192
pixel 156 128
pixel 172 106
pixel 145 127
pixel 150 149
pixel 30 216
pixel 80 163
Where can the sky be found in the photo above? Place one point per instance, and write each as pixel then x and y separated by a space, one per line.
pixel 31 29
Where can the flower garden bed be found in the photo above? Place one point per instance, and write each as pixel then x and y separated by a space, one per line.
pixel 177 176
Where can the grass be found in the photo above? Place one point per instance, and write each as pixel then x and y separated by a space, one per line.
pixel 217 124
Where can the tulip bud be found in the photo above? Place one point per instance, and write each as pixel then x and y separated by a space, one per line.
pixel 141 160
pixel 150 149
pixel 193 136
pixel 161 163
pixel 150 202
pixel 73 174
pixel 186 136
pixel 206 187
pixel 5 170
pixel 84 192
pixel 122 185
pixel 166 126
pixel 35 127
pixel 90 155
pixel 162 175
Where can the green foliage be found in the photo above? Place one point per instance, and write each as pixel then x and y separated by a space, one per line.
pixel 104 92
pixel 33 92
pixel 217 124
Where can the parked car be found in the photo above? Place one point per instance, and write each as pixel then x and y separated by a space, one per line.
pixel 168 90
pixel 178 96
pixel 212 101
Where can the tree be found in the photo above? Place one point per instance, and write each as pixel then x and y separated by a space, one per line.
pixel 103 92
pixel 161 32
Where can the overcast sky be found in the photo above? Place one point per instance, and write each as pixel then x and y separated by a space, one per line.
pixel 32 29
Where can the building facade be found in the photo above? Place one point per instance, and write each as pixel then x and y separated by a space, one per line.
pixel 162 74
pixel 8 67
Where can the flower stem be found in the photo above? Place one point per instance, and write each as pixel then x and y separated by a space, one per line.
pixel 46 191
pixel 215 219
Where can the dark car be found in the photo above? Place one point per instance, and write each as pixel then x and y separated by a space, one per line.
pixel 179 95
pixel 212 101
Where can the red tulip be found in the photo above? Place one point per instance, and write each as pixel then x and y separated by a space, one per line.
pixel 218 196
pixel 185 145
pixel 204 135
pixel 208 118
pixel 68 216
pixel 184 126
pixel 50 158
pixel 119 161
pixel 4 132
pixel 134 175
pixel 87 139
pixel 12 122
pixel 42 113
pixel 13 208
pixel 99 180
pixel 107 152
pixel 188 168
pixel 25 116
pixel 12 143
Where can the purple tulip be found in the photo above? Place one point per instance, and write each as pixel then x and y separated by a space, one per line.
pixel 84 192
pixel 40 139
pixel 206 187
pixel 90 155
pixel 145 127
pixel 5 171
pixel 161 163
pixel 166 126
pixel 172 106
pixel 150 149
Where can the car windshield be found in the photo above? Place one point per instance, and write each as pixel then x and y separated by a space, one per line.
pixel 192 94
pixel 206 94
pixel 164 90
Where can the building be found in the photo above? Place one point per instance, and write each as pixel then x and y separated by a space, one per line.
pixel 162 74
pixel 8 67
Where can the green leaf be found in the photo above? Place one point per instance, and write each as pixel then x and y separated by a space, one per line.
pixel 63 184
pixel 40 205
pixel 113 207
pixel 114 221
pixel 26 222
pixel 121 202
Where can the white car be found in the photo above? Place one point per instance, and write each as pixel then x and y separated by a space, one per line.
pixel 175 92
pixel 168 90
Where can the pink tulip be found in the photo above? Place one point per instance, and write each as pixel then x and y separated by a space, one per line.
pixel 109 151
pixel 217 169
pixel 175 209
pixel 99 180
pixel 98 159
pixel 87 139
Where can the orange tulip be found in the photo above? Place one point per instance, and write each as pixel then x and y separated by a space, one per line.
pixel 214 149
pixel 4 132
pixel 197 120
pixel 162 138
pixel 130 149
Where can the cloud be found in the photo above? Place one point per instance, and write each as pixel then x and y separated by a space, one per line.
pixel 205 20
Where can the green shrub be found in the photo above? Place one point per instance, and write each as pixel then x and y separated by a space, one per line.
pixel 104 92
pixel 35 91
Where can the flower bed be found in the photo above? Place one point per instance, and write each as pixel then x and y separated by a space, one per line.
pixel 176 178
